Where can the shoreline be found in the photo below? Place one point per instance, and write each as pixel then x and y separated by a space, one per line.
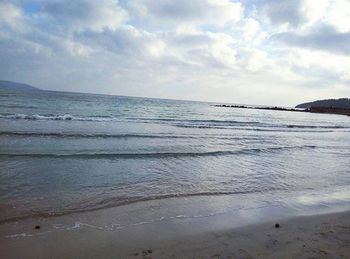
pixel 226 202
pixel 320 110
pixel 240 226
pixel 325 236
pixel 318 236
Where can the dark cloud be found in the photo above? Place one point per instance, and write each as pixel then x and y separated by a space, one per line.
pixel 78 15
pixel 191 40
pixel 200 12
pixel 288 11
pixel 277 12
pixel 179 10
pixel 321 38
pixel 126 40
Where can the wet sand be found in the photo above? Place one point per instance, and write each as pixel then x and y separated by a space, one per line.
pixel 320 236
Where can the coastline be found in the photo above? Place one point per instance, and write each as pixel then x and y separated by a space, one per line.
pixel 322 110
pixel 319 236
pixel 196 227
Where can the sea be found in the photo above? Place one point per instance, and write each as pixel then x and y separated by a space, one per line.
pixel 64 152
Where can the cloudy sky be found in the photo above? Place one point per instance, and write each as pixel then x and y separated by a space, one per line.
pixel 247 51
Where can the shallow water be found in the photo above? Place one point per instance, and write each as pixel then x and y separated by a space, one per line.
pixel 68 152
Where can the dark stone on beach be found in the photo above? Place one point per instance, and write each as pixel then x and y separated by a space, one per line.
pixel 37 227
pixel 277 225
pixel 146 252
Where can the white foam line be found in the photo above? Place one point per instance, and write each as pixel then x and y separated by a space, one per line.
pixel 19 235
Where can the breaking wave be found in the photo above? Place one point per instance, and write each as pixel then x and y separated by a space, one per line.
pixel 181 123
pixel 88 135
pixel 248 151
pixel 37 117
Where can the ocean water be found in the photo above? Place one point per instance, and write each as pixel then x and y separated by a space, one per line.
pixel 67 152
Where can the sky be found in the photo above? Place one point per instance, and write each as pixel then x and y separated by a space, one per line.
pixel 248 51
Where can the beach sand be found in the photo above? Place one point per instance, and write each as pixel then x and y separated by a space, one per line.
pixel 320 236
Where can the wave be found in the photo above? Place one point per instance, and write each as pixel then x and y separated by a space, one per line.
pixel 185 123
pixel 249 151
pixel 37 117
pixel 316 127
pixel 109 118
pixel 125 136
pixel 18 106
pixel 263 129
pixel 271 128
pixel 87 135
pixel 203 121
pixel 229 124
pixel 64 117
pixel 115 202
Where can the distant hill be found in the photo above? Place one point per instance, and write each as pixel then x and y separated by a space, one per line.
pixel 342 103
pixel 16 86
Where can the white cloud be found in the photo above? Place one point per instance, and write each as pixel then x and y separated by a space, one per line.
pixel 332 12
pixel 339 15
pixel 200 48
pixel 11 16
pixel 338 65
pixel 250 28
pixel 253 59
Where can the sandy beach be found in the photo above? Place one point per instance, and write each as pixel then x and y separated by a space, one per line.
pixel 320 236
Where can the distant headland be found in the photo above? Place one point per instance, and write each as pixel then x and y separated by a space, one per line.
pixel 342 103
pixel 332 106
pixel 16 86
